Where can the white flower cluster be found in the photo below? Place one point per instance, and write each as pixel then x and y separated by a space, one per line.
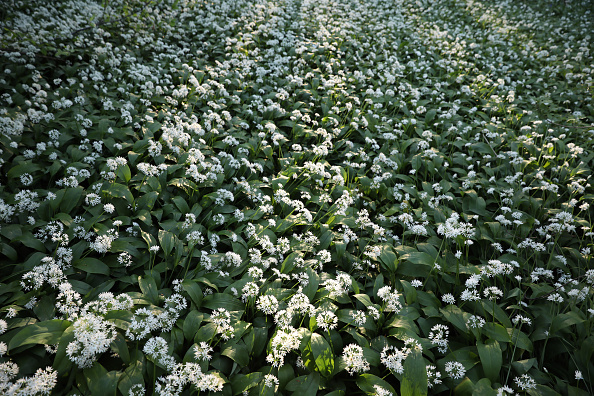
pixel 147 320
pixel 390 298
pixel 354 359
pixel 283 342
pixel 92 336
pixel 439 336
pixel 41 383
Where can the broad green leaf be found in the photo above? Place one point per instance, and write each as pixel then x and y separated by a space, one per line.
pixel 48 332
pixel 181 204
pixel 27 239
pixel 285 374
pixel 167 241
pixel 523 366
pixel 117 190
pixel 464 388
pixel 123 172
pixel 520 339
pixel 194 291
pixel 366 383
pixel 496 332
pixel 304 385
pixel 323 355
pixel 100 381
pixel 149 289
pixel 222 300
pixel 483 387
pixel 131 376
pixel 414 379
pixel 147 201
pixel 388 258
pixel 62 363
pixel 238 353
pixel 364 298
pixel 187 185
pixel 192 323
pixel 455 316
pixel 92 266
pixel 71 199
pixel 564 321
pixel 241 383
pixel 430 116
pixel 120 347
pixel 491 358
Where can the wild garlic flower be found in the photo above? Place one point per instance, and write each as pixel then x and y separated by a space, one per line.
pixel 433 376
pixel 455 370
pixel 439 336
pixel 354 359
pixel 380 391
pixel 390 298
pixel 41 383
pixel 525 382
pixel 156 349
pixel 327 320
pixel 393 358
pixel 92 337
pixel 267 304
pixel 250 290
pixel 475 322
pixel 283 342
pixel 359 318
pixel 270 381
pixel 202 351
pixel 222 320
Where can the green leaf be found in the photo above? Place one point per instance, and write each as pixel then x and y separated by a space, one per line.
pixel 496 332
pixel 364 298
pixel 520 339
pixel 388 258
pixel 92 266
pixel 304 385
pixel 366 383
pixel 194 291
pixel 238 353
pixel 455 316
pixel 564 321
pixel 48 332
pixel 62 363
pixel 414 379
pixel 491 358
pixel 241 383
pixel 192 324
pixel 430 116
pixel 167 241
pixel 117 190
pixel 100 381
pixel 147 201
pixel 323 355
pixel 27 239
pixel 187 185
pixel 120 347
pixel 181 204
pixel 285 374
pixel 149 289
pixel 71 199
pixel 464 388
pixel 131 376
pixel 123 172
pixel 222 300
pixel 312 287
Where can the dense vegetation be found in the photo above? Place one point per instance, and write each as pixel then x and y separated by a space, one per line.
pixel 313 197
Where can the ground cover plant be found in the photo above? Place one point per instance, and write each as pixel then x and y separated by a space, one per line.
pixel 335 197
